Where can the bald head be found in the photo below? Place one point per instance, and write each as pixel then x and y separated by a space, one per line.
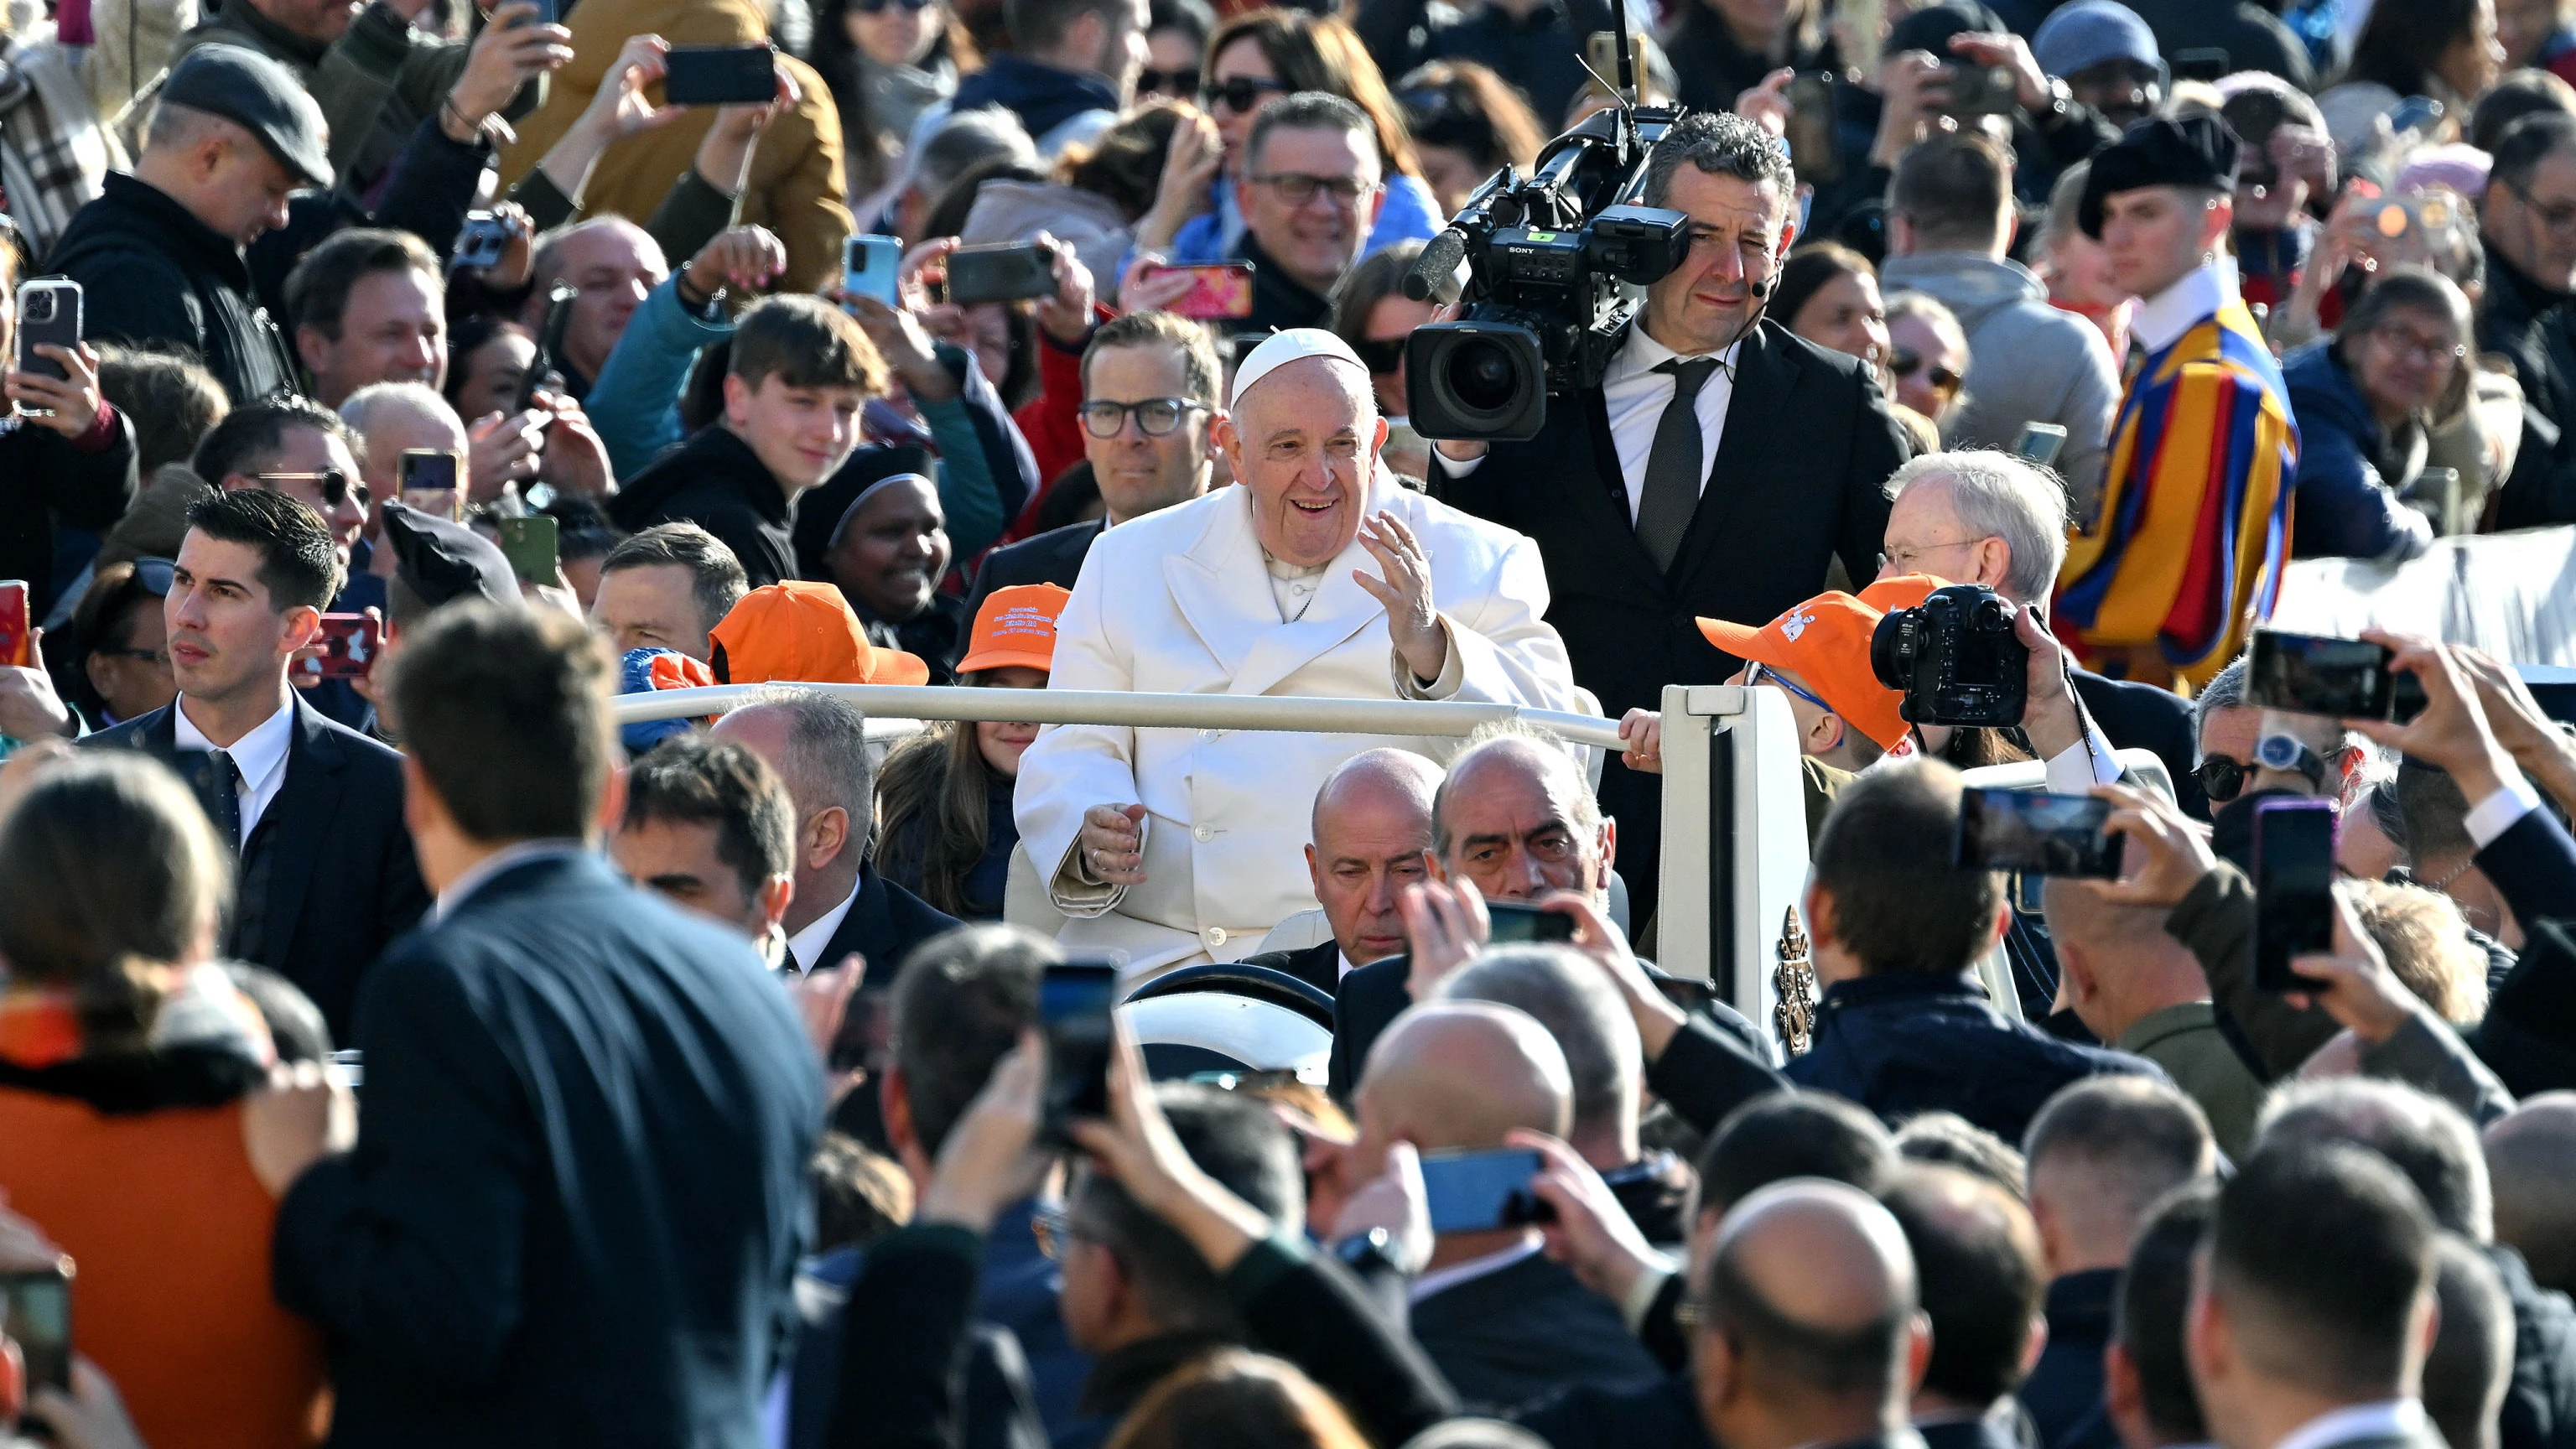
pixel 1372 826
pixel 2531 1166
pixel 1809 1302
pixel 1461 1074
pixel 1393 785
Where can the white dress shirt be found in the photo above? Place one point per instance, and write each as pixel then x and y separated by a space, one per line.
pixel 2497 813
pixel 2161 320
pixel 2387 1419
pixel 809 943
pixel 260 756
pixel 1635 396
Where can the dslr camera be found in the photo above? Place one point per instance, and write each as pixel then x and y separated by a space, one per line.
pixel 1955 658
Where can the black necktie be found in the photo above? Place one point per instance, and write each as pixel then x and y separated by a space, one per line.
pixel 221 790
pixel 1673 470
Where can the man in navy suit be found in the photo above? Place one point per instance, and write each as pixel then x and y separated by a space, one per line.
pixel 314 810
pixel 578 1197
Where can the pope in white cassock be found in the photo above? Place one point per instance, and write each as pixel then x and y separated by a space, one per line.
pixel 1317 574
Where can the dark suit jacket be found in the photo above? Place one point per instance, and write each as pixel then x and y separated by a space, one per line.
pixel 2136 716
pixel 1522 1332
pixel 1053 557
pixel 884 926
pixel 1966 1434
pixel 2063 1395
pixel 1376 994
pixel 1319 965
pixel 578 1197
pixel 1661 1415
pixel 1796 482
pixel 342 883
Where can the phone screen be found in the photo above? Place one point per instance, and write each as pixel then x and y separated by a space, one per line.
pixel 13 624
pixel 868 265
pixel 2304 674
pixel 36 1310
pixel 2040 442
pixel 1074 1001
pixel 999 274
pixel 1471 1192
pixel 1217 292
pixel 530 544
pixel 720 75
pixel 2293 888
pixel 2037 834
pixel 427 469
pixel 1514 923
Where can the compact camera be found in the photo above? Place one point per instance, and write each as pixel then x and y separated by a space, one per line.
pixel 1956 659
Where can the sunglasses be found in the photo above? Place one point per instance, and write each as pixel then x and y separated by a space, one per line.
pixel 1905 363
pixel 1183 82
pixel 2221 779
pixel 1241 93
pixel 333 483
pixel 156 575
pixel 1380 355
pixel 879 7
pixel 1155 416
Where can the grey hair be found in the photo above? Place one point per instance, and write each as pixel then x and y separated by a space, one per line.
pixel 965 140
pixel 1720 143
pixel 1999 495
pixel 2226 690
pixel 827 754
pixel 1587 810
pixel 1570 997
pixel 360 409
pixel 1312 111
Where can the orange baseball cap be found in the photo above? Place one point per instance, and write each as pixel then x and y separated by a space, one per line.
pixel 1905 591
pixel 1015 626
pixel 803 633
pixel 1825 642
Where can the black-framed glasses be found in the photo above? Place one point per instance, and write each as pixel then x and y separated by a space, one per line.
pixel 2221 779
pixel 874 7
pixel 2558 216
pixel 1181 82
pixel 156 575
pixel 1240 93
pixel 333 483
pixel 1905 362
pixel 1155 416
pixel 1297 187
pixel 1380 355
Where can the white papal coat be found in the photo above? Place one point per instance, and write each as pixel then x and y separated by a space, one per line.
pixel 1179 602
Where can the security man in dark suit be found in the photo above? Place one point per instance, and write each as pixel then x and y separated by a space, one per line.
pixel 578 1198
pixel 1729 506
pixel 1149 391
pixel 314 810
pixel 1371 838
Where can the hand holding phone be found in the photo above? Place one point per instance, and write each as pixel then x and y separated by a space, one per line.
pixel 532 545
pixel 15 625
pixel 36 1307
pixel 1216 292
pixel 2337 678
pixel 49 314
pixel 2294 901
pixel 1074 1004
pixel 1480 1191
pixel 871 266
pixel 2037 834
pixel 1511 923
pixel 347 649
pixel 1012 273
pixel 720 75
pixel 2450 727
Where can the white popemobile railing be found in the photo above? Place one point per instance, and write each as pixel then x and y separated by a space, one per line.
pixel 1735 825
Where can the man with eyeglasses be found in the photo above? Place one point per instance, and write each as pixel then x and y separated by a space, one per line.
pixel 2187 548
pixel 1149 385
pixel 1310 191
pixel 1729 504
pixel 2528 218
pixel 295 447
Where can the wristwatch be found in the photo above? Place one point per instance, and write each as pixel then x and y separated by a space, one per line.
pixel 1368 1252
pixel 2285 752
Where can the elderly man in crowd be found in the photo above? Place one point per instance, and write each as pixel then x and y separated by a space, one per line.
pixel 1319 577
pixel 1372 838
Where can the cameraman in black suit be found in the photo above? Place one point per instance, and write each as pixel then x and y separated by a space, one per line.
pixel 1650 517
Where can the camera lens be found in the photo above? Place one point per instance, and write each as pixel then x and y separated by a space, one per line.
pixel 40 306
pixel 1481 375
pixel 1891 649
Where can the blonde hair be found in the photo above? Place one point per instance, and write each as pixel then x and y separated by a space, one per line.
pixel 2426 941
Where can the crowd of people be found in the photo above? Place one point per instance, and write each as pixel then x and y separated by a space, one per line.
pixel 397 1045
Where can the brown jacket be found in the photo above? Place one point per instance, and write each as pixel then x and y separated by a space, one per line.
pixel 796 187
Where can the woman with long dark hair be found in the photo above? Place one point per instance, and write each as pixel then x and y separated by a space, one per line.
pixel 944 797
pixel 1254 59
pixel 2445 49
pixel 887 61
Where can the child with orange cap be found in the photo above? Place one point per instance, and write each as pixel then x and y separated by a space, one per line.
pixel 944 797
pixel 1818 655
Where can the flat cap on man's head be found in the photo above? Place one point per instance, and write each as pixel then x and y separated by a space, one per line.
pixel 440 560
pixel 262 97
pixel 2160 151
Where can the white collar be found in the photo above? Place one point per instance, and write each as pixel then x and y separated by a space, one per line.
pixel 807 944
pixel 1442 1279
pixel 258 754
pixel 1642 353
pixel 2387 1419
pixel 481 872
pixel 2162 319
